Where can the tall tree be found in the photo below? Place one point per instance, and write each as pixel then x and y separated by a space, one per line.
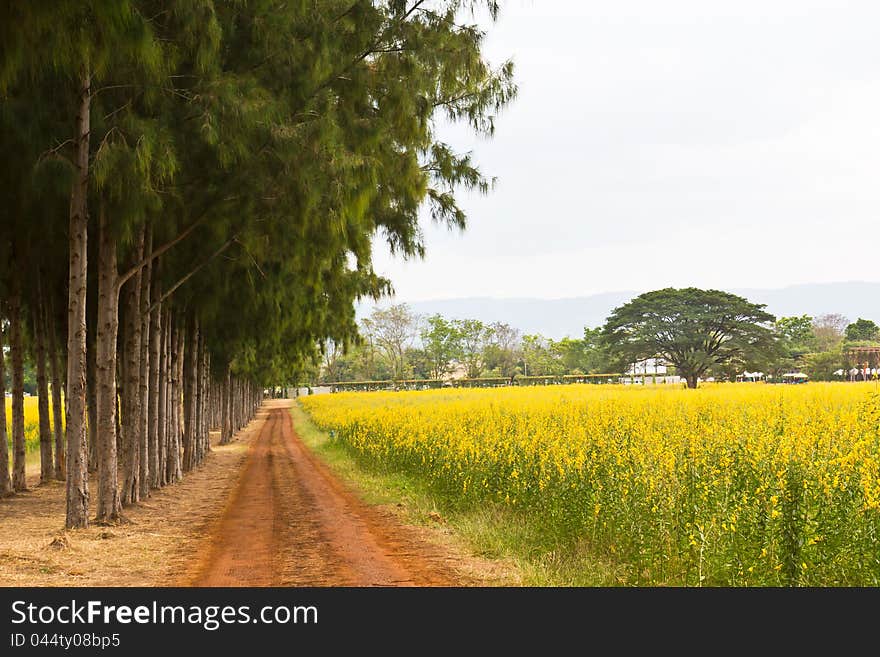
pixel 796 338
pixel 473 336
pixel 829 330
pixel 393 329
pixel 539 356
pixel 572 354
pixel 595 355
pixel 442 344
pixel 796 333
pixel 503 349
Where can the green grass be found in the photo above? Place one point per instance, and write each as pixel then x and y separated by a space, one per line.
pixel 533 555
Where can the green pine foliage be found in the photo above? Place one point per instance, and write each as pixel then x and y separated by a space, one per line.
pixel 277 138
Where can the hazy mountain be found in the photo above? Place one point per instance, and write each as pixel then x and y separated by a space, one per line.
pixel 556 318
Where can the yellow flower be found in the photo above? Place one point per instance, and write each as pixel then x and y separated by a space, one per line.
pixel 688 477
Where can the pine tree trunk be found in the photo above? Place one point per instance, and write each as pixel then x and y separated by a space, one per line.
pixel 176 356
pixel 162 403
pixel 209 400
pixel 177 401
pixel 77 464
pixel 155 385
pixel 120 384
pixel 217 422
pixel 47 467
pixel 144 376
pixel 239 406
pixel 242 400
pixel 57 408
pixel 235 406
pixel 92 391
pixel 206 399
pixel 109 504
pixel 189 398
pixel 131 415
pixel 5 481
pixel 171 362
pixel 230 402
pixel 215 407
pixel 225 419
pixel 233 421
pixel 203 402
pixel 199 404
pixel 16 349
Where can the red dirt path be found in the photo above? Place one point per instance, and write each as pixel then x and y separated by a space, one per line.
pixel 290 522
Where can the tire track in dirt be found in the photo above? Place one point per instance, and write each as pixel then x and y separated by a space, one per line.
pixel 250 514
pixel 290 522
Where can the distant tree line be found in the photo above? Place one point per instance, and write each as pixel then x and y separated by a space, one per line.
pixel 398 344
pixel 698 334
pixel 819 346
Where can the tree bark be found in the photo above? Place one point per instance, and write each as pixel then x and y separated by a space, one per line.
pixel 199 403
pixel 206 399
pixel 173 469
pixel 109 504
pixel 144 375
pixel 57 408
pixel 172 389
pixel 239 402
pixel 131 412
pixel 225 399
pixel 162 403
pixel 19 480
pixel 177 400
pixel 189 398
pixel 5 481
pixel 154 388
pixel 92 406
pixel 691 381
pixel 47 469
pixel 77 464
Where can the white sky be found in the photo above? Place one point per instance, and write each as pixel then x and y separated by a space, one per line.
pixel 684 142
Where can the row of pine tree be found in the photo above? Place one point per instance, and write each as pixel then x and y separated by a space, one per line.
pixel 190 191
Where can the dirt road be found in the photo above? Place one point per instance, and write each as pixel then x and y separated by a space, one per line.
pixel 290 522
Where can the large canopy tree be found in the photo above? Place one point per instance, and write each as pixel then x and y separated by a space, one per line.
pixel 691 328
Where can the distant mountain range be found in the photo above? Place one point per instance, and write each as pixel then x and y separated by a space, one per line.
pixel 556 318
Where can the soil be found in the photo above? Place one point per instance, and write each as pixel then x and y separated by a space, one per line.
pixel 290 522
pixel 156 546
pixel 262 511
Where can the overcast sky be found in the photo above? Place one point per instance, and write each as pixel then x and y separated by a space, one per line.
pixel 684 142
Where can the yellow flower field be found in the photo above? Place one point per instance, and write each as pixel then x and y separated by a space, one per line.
pixel 31 422
pixel 733 484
